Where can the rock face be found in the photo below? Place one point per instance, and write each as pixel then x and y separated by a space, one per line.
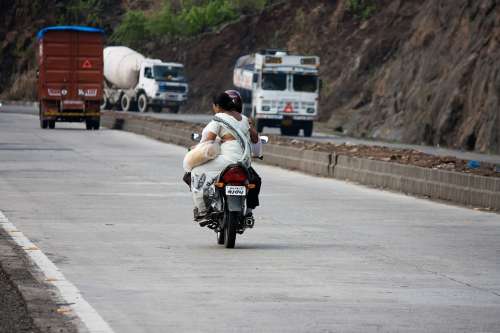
pixel 18 26
pixel 416 71
pixel 19 23
pixel 426 72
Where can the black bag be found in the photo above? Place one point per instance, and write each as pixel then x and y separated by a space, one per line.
pixel 187 179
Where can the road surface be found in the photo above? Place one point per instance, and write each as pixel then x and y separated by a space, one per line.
pixel 317 136
pixel 109 209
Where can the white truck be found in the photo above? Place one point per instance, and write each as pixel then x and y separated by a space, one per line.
pixel 135 83
pixel 279 90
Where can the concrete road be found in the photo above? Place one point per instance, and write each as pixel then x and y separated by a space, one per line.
pixel 317 136
pixel 110 210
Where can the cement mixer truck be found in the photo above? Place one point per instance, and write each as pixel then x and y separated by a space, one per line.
pixel 135 83
pixel 279 90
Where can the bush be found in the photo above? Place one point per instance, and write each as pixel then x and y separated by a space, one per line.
pixel 361 9
pixel 164 23
pixel 133 30
pixel 193 18
pixel 82 12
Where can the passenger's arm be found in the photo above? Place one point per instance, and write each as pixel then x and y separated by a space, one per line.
pixel 211 136
pixel 254 136
pixel 210 131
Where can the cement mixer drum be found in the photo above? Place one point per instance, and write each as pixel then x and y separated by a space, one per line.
pixel 121 66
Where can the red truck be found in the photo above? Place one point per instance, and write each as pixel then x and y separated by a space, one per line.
pixel 70 75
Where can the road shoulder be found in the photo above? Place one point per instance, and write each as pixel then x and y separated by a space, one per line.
pixel 27 303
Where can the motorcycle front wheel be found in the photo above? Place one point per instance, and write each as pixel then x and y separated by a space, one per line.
pixel 230 227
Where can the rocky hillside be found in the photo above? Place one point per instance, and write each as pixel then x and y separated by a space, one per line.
pixel 22 19
pixel 414 71
pixel 417 71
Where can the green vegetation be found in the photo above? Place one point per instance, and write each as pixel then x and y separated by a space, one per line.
pixel 83 12
pixel 191 19
pixel 361 9
pixel 133 30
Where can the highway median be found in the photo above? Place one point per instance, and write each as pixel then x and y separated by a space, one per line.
pixel 456 187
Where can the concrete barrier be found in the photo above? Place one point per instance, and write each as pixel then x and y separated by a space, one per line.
pixel 308 161
pixel 20 103
pixel 455 187
pixel 460 188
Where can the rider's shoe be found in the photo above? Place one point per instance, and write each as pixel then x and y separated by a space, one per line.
pixel 201 218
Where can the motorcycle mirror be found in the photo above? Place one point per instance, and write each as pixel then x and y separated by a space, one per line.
pixel 195 137
pixel 264 139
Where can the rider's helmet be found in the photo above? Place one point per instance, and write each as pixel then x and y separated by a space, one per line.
pixel 229 100
pixel 236 102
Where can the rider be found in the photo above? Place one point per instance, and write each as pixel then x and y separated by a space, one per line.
pixel 254 178
pixel 235 134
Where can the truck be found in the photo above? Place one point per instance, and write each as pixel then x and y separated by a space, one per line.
pixel 135 83
pixel 279 90
pixel 70 75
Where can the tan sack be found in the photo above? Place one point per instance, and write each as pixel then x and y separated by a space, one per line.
pixel 201 154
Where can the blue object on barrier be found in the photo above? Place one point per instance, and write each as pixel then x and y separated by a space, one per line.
pixel 473 164
pixel 497 168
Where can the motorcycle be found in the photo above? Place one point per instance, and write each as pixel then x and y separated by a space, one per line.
pixel 226 200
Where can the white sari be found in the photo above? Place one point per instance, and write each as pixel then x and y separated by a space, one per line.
pixel 232 152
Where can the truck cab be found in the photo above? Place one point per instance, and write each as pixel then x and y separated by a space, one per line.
pixel 136 83
pixel 161 84
pixel 280 90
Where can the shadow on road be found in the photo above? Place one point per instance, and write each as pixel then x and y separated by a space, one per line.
pixel 291 246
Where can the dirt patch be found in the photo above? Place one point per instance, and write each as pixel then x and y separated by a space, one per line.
pixel 401 156
pixel 27 304
pixel 14 316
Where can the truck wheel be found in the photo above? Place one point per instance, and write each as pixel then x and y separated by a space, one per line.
pixel 105 105
pixel 290 131
pixel 52 124
pixel 142 103
pixel 156 108
pixel 174 109
pixel 44 123
pixel 308 129
pixel 118 105
pixel 96 123
pixel 89 124
pixel 125 103
pixel 259 125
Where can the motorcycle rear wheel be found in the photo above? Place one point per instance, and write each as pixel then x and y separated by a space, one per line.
pixel 230 229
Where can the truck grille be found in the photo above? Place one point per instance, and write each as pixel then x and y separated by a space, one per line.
pixel 178 89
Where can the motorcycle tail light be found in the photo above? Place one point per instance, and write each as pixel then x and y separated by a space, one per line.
pixel 234 176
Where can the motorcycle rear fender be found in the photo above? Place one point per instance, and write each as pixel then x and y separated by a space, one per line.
pixel 235 203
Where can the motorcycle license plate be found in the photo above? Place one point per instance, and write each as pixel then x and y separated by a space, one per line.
pixel 236 190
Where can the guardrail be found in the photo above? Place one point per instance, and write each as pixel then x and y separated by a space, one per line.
pixel 20 103
pixel 455 187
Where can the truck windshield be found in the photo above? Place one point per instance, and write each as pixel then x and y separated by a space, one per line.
pixel 168 73
pixel 271 81
pixel 305 83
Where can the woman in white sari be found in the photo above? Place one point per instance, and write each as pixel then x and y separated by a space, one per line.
pixel 235 134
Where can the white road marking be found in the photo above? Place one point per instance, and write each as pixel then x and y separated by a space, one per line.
pixel 71 295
